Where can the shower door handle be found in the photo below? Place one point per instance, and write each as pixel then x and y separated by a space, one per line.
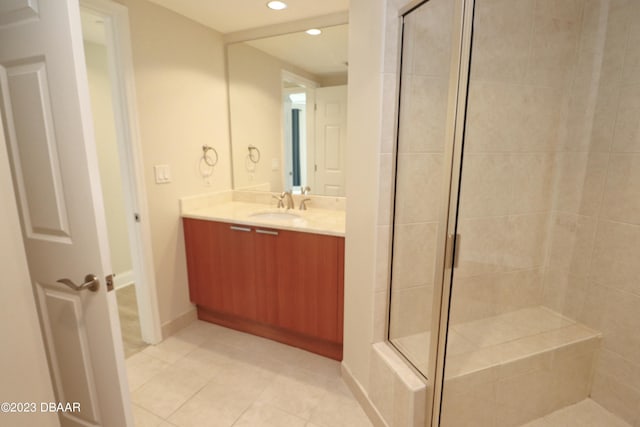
pixel 453 246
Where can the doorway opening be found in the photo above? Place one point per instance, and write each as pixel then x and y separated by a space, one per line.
pixel 109 71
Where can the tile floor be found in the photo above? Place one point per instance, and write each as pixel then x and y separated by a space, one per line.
pixel 207 375
pixel 583 414
pixel 129 320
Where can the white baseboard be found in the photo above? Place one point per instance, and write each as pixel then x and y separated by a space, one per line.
pixel 123 279
pixel 361 396
pixel 172 326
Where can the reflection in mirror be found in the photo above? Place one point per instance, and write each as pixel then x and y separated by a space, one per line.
pixel 288 99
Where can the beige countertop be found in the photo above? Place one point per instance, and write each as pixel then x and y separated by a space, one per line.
pixel 313 220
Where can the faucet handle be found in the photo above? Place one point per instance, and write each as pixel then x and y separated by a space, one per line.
pixel 280 200
pixel 303 204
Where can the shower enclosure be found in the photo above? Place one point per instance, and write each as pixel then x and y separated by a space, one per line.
pixel 515 269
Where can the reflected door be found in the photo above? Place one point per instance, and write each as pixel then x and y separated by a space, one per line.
pixel 331 139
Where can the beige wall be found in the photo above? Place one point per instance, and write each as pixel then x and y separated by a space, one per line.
pixel 365 86
pixel 255 105
pixel 108 161
pixel 23 366
pixel 182 105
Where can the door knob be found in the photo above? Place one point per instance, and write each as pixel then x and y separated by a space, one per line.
pixel 91 282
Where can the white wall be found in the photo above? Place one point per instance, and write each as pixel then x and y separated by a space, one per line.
pixel 23 366
pixel 182 104
pixel 108 161
pixel 364 111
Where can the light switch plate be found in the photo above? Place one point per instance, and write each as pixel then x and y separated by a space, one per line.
pixel 162 173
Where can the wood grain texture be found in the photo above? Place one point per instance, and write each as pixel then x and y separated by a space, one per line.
pixel 329 349
pixel 290 284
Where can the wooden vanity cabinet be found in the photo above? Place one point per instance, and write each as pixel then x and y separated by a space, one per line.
pixel 283 285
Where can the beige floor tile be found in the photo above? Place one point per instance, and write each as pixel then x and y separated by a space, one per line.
pixel 141 368
pixel 251 380
pixel 296 391
pixel 171 349
pixel 144 418
pixel 338 410
pixel 198 332
pixel 586 413
pixel 168 390
pixel 264 415
pixel 206 375
pixel 540 422
pixel 318 364
pixel 216 405
pixel 203 361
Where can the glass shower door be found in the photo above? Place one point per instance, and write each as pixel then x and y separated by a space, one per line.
pixel 427 108
pixel 547 216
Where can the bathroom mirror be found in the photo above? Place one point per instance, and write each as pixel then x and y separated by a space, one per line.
pixel 288 107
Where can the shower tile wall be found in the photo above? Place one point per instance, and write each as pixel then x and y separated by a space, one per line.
pixel 518 86
pixel 593 268
pixel 550 200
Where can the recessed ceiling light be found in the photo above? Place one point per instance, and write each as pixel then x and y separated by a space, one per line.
pixel 277 5
pixel 314 32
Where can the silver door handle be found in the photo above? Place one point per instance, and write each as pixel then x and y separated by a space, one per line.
pixel 91 282
pixel 235 228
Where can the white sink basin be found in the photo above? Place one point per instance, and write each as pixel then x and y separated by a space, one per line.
pixel 275 215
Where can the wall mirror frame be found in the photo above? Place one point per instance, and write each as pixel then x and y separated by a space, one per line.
pixel 288 110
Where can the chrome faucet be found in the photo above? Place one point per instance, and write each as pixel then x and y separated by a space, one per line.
pixel 280 199
pixel 303 204
pixel 288 199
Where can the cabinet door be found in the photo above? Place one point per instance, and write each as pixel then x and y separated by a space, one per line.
pixel 266 274
pixel 308 284
pixel 233 272
pixel 197 237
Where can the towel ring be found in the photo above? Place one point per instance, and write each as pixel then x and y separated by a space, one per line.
pixel 206 158
pixel 253 151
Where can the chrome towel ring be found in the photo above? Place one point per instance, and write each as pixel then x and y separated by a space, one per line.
pixel 207 157
pixel 254 154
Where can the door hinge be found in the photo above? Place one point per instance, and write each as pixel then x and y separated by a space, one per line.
pixel 109 280
pixel 136 216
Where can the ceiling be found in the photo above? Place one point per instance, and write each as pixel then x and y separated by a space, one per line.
pixel 227 16
pixel 320 55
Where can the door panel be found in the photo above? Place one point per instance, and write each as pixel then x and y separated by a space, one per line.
pixel 331 139
pixel 46 107
pixel 16 11
pixel 36 165
pixel 74 371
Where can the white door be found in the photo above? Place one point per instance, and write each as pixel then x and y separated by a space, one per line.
pixel 331 139
pixel 45 102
